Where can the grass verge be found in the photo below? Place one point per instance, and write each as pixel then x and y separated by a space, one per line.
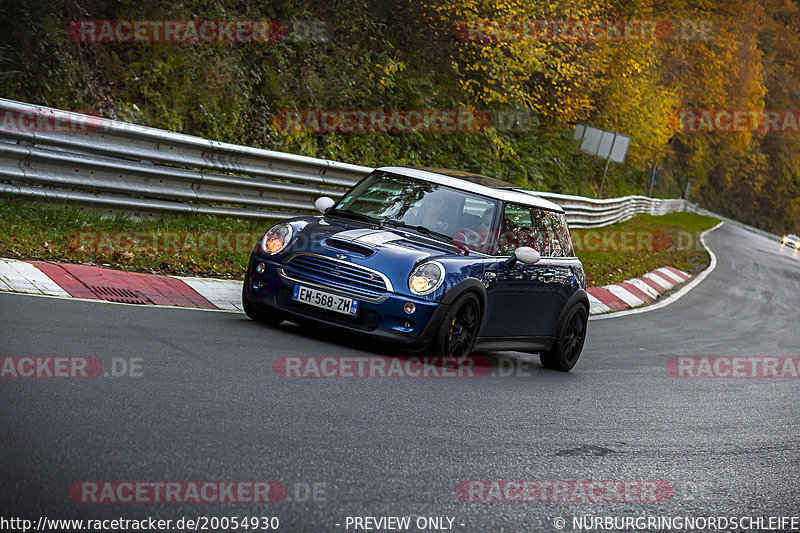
pixel 185 245
pixel 646 242
pixel 191 245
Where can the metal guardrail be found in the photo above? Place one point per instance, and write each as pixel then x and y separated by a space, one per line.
pixel 62 156
pixel 694 208
pixel 590 213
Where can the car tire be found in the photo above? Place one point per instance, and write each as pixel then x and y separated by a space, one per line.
pixel 458 331
pixel 272 318
pixel 569 341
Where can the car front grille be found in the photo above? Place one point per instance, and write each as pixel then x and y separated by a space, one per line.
pixel 336 274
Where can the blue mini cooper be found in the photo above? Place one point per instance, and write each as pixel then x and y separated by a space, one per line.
pixel 429 259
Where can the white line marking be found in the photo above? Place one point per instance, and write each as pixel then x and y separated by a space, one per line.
pixel 225 294
pixel 644 287
pixel 661 281
pixel 5 286
pixel 623 294
pixel 19 276
pixel 671 275
pixel 677 295
pixel 596 306
pixel 139 306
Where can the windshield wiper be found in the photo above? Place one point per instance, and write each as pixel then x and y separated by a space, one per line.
pixel 348 213
pixel 426 231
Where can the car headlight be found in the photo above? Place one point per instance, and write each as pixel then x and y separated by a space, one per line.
pixel 276 238
pixel 426 278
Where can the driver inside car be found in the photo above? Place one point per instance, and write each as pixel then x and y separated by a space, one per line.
pixel 435 214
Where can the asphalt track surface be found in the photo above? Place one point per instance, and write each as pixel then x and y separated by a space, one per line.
pixel 208 407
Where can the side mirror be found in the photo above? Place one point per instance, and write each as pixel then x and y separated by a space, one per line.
pixel 323 203
pixel 524 254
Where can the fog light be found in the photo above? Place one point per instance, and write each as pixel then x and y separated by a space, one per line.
pixel 260 268
pixel 409 308
pixel 407 324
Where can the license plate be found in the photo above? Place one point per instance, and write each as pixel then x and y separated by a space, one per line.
pixel 325 300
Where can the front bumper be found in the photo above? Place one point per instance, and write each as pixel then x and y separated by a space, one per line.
pixel 382 318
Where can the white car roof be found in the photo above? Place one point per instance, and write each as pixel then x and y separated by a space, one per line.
pixel 519 196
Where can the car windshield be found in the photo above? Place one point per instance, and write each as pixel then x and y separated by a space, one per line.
pixel 385 197
pixel 793 237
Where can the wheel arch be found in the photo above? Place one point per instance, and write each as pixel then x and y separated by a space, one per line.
pixel 463 287
pixel 581 297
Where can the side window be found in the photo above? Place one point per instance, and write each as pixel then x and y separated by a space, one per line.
pixel 475 223
pixel 476 214
pixel 545 231
pixel 561 235
pixel 516 230
pixel 543 241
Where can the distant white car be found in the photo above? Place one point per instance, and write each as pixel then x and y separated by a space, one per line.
pixel 792 240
